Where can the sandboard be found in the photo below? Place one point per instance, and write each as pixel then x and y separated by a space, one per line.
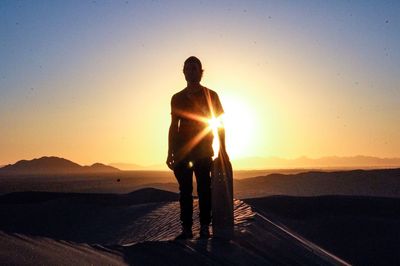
pixel 222 197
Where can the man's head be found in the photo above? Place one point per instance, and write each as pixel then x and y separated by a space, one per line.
pixel 193 70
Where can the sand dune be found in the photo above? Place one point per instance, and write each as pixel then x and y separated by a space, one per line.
pixel 139 227
pixel 18 249
pixel 377 183
pixel 79 229
pixel 362 230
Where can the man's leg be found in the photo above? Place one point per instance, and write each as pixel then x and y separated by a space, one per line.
pixel 184 175
pixel 202 169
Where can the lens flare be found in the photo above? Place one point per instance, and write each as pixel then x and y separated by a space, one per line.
pixel 214 124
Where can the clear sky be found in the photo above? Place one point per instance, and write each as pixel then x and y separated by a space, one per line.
pixel 91 81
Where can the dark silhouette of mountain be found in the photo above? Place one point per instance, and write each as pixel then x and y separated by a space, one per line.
pixel 135 167
pixel 53 165
pixel 99 167
pixel 127 166
pixel 359 161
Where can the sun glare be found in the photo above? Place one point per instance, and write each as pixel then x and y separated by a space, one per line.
pixel 239 124
pixel 214 124
pixel 239 128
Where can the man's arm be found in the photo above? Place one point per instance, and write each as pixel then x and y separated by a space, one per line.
pixel 172 133
pixel 173 130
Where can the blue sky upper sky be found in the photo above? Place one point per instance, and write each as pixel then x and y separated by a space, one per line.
pixel 92 80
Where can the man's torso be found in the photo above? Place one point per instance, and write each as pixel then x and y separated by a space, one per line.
pixel 194 109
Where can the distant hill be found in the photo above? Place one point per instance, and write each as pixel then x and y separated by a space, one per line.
pixel 132 166
pixel 379 182
pixel 262 163
pixel 127 166
pixel 99 167
pixel 359 161
pixel 54 165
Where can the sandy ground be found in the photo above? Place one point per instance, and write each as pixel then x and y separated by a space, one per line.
pixel 89 220
pixel 18 249
pixel 107 229
pixel 361 230
pixel 377 183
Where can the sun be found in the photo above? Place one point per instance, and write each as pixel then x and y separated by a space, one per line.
pixel 239 124
pixel 215 123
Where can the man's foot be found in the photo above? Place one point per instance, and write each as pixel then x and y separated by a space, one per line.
pixel 204 231
pixel 186 234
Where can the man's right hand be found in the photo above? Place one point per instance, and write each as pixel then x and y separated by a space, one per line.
pixel 171 161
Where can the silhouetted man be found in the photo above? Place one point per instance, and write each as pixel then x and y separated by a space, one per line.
pixel 190 145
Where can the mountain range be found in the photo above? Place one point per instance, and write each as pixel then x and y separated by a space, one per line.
pixel 54 165
pixel 57 165
pixel 259 163
pixel 375 182
pixel 359 161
